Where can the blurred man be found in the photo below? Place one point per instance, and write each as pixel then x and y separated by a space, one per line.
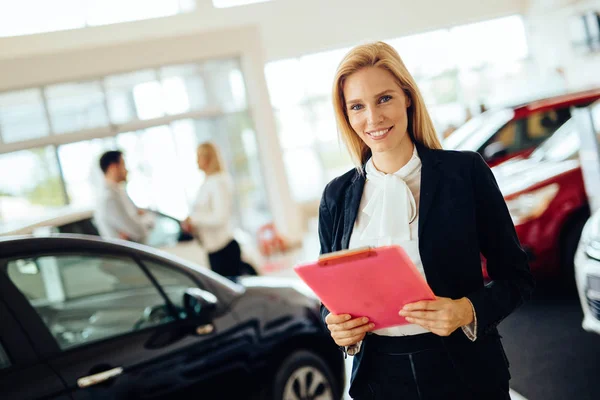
pixel 116 215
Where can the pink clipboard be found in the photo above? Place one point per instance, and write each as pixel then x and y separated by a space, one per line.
pixel 369 282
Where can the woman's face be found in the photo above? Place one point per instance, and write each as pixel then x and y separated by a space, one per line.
pixel 203 160
pixel 376 108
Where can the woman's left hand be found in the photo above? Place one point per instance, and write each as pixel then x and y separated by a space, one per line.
pixel 186 225
pixel 441 316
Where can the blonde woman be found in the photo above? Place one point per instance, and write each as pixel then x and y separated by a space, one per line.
pixel 445 209
pixel 211 217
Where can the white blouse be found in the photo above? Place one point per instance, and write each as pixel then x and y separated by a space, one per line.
pixel 389 215
pixel 213 211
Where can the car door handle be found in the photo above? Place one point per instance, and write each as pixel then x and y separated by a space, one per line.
pixel 100 377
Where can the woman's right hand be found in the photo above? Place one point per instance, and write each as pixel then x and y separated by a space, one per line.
pixel 346 331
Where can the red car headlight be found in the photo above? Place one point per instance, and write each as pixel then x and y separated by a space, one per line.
pixel 531 205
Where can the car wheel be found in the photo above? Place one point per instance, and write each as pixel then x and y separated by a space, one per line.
pixel 304 376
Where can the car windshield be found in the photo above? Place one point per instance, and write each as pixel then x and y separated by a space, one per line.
pixel 562 145
pixel 475 132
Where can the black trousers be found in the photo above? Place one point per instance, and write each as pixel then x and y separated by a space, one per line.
pixel 415 367
pixel 227 261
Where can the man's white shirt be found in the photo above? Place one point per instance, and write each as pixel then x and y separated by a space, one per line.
pixel 115 213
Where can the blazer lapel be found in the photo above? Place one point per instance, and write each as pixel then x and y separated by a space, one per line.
pixel 351 204
pixel 430 176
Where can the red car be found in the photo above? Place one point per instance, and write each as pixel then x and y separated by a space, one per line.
pixel 501 134
pixel 546 197
pixel 534 151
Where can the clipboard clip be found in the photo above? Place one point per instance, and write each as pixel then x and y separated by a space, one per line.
pixel 342 256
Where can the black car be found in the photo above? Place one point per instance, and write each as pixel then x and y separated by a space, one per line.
pixel 84 318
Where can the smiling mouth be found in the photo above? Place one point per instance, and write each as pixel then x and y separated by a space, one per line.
pixel 380 133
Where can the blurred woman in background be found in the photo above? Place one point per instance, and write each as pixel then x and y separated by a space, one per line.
pixel 212 213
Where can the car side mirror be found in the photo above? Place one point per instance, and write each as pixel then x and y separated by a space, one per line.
pixel 199 304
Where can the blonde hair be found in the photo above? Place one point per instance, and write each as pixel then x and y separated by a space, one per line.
pixel 380 55
pixel 214 156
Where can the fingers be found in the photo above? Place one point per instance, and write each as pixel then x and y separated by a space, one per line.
pixel 424 305
pixel 440 328
pixel 425 315
pixel 426 323
pixel 336 319
pixel 349 341
pixel 348 333
pixel 344 326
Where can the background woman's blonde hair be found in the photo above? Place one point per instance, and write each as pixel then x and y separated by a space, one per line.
pixel 214 156
pixel 380 55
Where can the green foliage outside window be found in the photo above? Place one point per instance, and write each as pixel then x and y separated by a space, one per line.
pixel 47 193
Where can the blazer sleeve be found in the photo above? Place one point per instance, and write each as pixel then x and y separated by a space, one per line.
pixel 326 241
pixel 325 238
pixel 511 280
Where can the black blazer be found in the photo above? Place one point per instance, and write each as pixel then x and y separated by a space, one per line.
pixel 462 214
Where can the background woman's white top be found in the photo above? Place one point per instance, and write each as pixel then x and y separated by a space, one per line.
pixel 212 212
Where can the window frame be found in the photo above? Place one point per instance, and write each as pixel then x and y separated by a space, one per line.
pixel 144 260
pixel 257 205
pixel 591 42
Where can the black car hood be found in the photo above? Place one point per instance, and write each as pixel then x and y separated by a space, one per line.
pixel 291 290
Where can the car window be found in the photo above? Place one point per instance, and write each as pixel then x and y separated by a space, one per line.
pixel 478 130
pixel 563 145
pixel 165 230
pixel 530 131
pixel 541 125
pixel 173 282
pixel 84 298
pixel 4 361
pixel 507 135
